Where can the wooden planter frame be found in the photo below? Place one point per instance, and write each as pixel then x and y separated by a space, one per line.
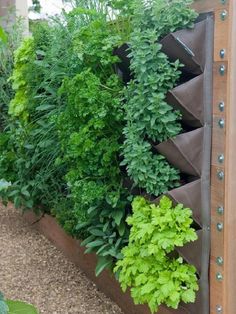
pixel 223 165
pixel 223 181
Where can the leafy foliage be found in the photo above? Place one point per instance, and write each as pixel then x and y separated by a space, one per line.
pixel 36 7
pixel 63 132
pixel 66 128
pixel 149 117
pixel 155 277
pixel 10 40
pixel 20 307
pixel 90 132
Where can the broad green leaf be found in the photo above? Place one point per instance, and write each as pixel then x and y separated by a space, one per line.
pixel 18 307
pixel 103 262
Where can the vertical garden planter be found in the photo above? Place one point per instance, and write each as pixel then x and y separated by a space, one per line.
pixel 190 157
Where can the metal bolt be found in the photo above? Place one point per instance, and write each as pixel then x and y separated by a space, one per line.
pixel 222 53
pixel 220 210
pixel 222 106
pixel 220 175
pixel 220 226
pixel 219 309
pixel 219 277
pixel 221 123
pixel 222 70
pixel 223 15
pixel 221 158
pixel 220 261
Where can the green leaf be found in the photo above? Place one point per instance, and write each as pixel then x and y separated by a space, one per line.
pixel 45 107
pixel 18 307
pixel 95 243
pixel 117 215
pixel 103 263
pixel 3 35
pixel 97 232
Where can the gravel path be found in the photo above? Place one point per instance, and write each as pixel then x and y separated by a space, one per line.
pixel 32 270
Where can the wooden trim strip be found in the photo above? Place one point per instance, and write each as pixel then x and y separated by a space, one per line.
pixel 229 282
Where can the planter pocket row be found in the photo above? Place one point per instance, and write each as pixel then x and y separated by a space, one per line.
pixel 190 151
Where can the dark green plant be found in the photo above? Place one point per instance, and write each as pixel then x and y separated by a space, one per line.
pixel 149 117
pixel 154 276
pixel 36 6
pixel 90 130
pixel 66 129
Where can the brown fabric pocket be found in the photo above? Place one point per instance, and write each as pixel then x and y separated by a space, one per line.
pixel 192 252
pixel 188 46
pixel 184 151
pixel 188 99
pixel 190 196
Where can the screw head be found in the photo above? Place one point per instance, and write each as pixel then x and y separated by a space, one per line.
pixel 222 53
pixel 222 70
pixel 220 175
pixel 220 210
pixel 220 226
pixel 223 15
pixel 219 261
pixel 221 158
pixel 219 277
pixel 221 123
pixel 219 309
pixel 221 106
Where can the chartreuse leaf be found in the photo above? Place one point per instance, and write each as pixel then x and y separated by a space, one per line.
pixel 146 267
pixel 3 35
pixel 18 307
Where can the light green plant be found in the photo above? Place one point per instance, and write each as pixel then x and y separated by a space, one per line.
pixel 148 267
pixel 13 307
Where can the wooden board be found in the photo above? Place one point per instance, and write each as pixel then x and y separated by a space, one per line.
pixel 223 192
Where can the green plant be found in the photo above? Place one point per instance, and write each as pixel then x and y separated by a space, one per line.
pixel 12 307
pixel 148 265
pixel 10 40
pixel 66 128
pixel 90 131
pixel 149 117
pixel 32 130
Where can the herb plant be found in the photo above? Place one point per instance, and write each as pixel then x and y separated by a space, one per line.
pixel 155 277
pixel 90 132
pixel 149 117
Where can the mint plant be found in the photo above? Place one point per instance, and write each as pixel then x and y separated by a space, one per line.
pixel 149 117
pixel 148 267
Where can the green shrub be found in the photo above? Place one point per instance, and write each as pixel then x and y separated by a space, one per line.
pixel 155 277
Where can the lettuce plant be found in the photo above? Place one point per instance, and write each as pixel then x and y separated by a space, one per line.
pixel 148 266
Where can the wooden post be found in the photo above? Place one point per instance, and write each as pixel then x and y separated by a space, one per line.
pixel 223 176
